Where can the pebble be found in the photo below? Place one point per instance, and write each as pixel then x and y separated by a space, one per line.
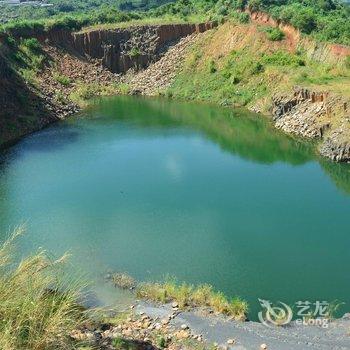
pixel 231 341
pixel 165 321
pixel 263 347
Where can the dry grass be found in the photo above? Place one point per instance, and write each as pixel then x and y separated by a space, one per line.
pixel 36 312
pixel 187 295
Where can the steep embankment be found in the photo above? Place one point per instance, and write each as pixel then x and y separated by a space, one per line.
pixel 21 109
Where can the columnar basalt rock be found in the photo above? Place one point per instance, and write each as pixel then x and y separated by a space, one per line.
pixel 135 47
pixel 315 114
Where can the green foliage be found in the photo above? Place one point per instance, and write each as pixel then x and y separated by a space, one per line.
pixel 24 28
pixel 135 52
pixel 274 33
pixel 326 20
pixel 212 66
pixel 187 295
pixel 9 13
pixel 30 28
pixel 242 17
pixel 283 58
pixel 83 93
pixel 62 79
pixel 32 44
pixel 123 89
pixel 120 343
pixel 161 342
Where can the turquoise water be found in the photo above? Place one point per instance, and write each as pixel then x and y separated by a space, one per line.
pixel 206 194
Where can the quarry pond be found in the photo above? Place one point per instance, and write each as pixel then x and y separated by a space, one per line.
pixel 212 195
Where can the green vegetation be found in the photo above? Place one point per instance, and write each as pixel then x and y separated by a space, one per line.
pixel 274 34
pixel 74 7
pixel 26 57
pixel 62 79
pixel 252 73
pixel 38 310
pixel 135 52
pixel 282 58
pixel 326 20
pixel 187 295
pixel 84 92
pixel 123 344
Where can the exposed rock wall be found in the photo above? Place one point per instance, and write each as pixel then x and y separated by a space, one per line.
pixel 160 75
pixel 134 47
pixel 315 114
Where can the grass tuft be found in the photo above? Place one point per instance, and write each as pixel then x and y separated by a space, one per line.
pixel 187 295
pixel 37 310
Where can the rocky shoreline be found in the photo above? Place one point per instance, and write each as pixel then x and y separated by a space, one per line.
pixel 311 114
pixel 154 326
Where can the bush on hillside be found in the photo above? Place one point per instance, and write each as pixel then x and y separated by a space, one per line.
pixel 274 34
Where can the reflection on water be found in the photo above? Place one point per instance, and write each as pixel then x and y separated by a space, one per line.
pixel 207 194
pixel 237 131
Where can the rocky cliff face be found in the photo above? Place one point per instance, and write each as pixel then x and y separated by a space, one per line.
pixel 316 115
pixel 134 47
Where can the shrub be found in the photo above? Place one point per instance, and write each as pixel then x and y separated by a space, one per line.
pixel 24 29
pixel 283 58
pixel 256 68
pixel 212 66
pixel 62 79
pixel 134 52
pixel 275 34
pixel 241 17
pixel 32 44
pixel 161 342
